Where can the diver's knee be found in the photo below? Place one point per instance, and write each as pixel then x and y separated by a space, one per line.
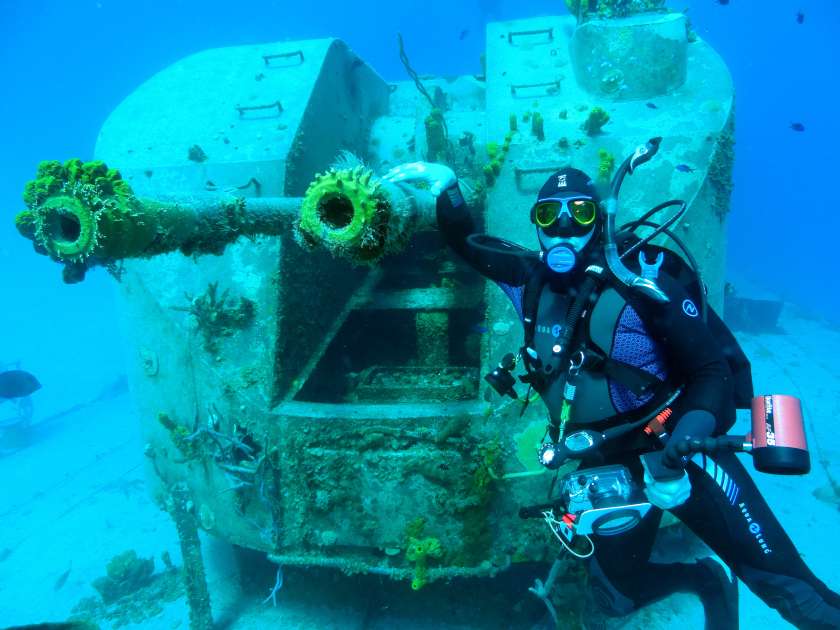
pixel 605 595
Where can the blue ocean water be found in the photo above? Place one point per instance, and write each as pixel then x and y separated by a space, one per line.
pixel 67 65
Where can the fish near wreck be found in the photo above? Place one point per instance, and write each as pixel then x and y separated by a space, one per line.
pixel 17 384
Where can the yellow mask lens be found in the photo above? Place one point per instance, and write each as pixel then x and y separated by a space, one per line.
pixel 583 210
pixel 546 213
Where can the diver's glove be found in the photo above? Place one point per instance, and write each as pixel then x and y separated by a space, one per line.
pixel 438 177
pixel 696 424
pixel 667 494
pixel 666 482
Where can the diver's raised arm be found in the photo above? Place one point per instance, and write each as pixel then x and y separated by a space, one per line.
pixel 494 258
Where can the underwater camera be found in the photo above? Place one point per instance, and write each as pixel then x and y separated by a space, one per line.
pixel 501 378
pixel 604 501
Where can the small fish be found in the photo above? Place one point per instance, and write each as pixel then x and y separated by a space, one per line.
pixel 62 579
pixel 5 553
pixel 800 18
pixel 684 168
pixel 651 105
pixel 797 126
pixel 723 1
pixel 17 384
pixel 479 329
pixel 463 34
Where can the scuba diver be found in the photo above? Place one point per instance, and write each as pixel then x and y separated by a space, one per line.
pixel 636 356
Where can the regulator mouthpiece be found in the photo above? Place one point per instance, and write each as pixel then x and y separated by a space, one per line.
pixel 561 259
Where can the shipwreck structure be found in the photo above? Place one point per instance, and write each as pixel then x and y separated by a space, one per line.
pixel 306 356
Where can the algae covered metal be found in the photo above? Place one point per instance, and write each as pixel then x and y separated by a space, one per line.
pixel 306 357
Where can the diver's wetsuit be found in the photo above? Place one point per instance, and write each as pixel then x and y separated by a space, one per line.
pixel 725 509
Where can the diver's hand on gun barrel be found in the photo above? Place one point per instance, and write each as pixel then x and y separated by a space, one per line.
pixel 438 177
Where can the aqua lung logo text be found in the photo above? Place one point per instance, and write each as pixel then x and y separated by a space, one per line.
pixel 561 181
pixel 554 331
pixel 754 528
pixel 769 425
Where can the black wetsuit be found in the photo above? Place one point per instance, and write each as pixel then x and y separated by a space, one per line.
pixel 725 509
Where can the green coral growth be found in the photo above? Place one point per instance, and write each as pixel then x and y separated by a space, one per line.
pixel 66 205
pixel 538 126
pixel 598 117
pixel 130 593
pixel 347 211
pixel 419 551
pixel 512 122
pixel 489 175
pixel 606 164
pixel 52 177
pixel 496 156
pixel 414 528
pixel 508 140
pixel 179 434
pixel 126 573
pixel 26 224
pixel 83 214
pixel 609 9
pixel 476 535
pixel 484 475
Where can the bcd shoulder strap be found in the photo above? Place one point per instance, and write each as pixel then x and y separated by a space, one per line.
pixel 589 289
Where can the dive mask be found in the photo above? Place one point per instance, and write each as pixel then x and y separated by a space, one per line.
pixel 573 216
pixel 565 227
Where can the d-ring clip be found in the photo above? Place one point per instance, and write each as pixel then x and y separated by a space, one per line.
pixel 576 362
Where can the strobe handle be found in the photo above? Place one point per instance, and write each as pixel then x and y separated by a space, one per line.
pixel 777 442
pixel 731 443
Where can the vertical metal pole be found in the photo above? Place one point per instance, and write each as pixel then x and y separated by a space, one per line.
pixel 180 506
